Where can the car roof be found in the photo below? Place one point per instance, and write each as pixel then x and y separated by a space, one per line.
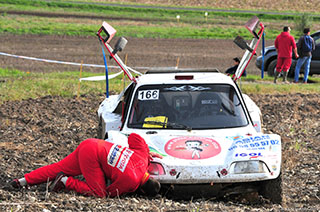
pixel 168 76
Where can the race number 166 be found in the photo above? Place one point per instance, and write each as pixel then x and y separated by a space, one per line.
pixel 148 95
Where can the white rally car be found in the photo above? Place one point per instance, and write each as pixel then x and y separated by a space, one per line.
pixel 207 131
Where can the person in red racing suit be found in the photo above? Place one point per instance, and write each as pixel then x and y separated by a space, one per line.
pixel 98 160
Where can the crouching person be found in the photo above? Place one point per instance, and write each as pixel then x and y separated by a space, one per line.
pixel 98 160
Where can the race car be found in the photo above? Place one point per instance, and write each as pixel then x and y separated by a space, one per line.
pixel 208 132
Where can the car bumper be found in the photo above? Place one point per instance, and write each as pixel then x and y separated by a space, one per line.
pixel 211 174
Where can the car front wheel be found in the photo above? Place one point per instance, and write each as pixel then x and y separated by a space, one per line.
pixel 272 68
pixel 272 189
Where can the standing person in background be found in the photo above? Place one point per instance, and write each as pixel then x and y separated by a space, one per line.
pixel 305 47
pixel 232 70
pixel 284 44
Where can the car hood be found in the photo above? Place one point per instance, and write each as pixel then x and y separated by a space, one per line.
pixel 209 150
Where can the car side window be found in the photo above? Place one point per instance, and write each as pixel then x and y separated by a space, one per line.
pixel 123 100
pixel 316 39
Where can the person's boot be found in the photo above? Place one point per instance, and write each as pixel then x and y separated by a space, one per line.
pixel 19 183
pixel 16 184
pixel 285 75
pixel 276 76
pixel 57 184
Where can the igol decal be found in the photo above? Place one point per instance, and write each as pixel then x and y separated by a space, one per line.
pixel 193 148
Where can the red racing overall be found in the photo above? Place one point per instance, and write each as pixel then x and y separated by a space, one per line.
pixel 284 43
pixel 98 160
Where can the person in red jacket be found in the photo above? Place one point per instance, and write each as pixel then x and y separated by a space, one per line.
pixel 284 44
pixel 98 160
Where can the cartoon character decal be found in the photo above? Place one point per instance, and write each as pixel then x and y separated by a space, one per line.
pixel 195 147
pixel 192 148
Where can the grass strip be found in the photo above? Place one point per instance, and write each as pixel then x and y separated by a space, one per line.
pixel 100 8
pixel 18 85
pixel 61 26
pixel 163 22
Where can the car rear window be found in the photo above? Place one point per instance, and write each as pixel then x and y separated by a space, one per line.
pixel 195 106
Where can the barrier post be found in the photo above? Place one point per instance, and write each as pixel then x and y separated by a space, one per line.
pixel 177 64
pixel 79 79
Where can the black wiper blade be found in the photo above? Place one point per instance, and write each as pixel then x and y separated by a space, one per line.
pixel 168 124
pixel 159 123
pixel 178 125
pixel 229 110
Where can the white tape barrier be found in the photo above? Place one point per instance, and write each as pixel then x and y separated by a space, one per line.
pixel 54 61
pixel 76 64
pixel 99 78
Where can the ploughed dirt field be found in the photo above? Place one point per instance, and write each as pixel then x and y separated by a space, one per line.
pixel 187 53
pixel 36 132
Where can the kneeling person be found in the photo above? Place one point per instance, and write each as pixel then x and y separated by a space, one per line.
pixel 98 160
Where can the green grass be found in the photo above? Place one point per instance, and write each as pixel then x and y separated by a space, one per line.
pixel 160 23
pixel 59 26
pixel 18 85
pixel 266 85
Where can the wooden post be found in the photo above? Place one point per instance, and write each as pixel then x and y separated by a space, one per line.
pixel 178 60
pixel 206 16
pixel 79 79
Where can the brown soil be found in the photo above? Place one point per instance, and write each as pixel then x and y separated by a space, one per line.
pixel 36 132
pixel 192 53
pixel 293 5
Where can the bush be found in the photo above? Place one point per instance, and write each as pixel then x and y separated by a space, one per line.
pixel 303 21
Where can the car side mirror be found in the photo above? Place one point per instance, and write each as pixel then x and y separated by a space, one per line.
pixel 242 43
pixel 120 45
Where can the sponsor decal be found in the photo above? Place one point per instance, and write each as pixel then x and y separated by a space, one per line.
pixel 187 88
pixel 156 151
pixel 252 154
pixel 114 154
pixel 125 157
pixel 234 138
pixel 192 148
pixel 148 95
pixel 254 143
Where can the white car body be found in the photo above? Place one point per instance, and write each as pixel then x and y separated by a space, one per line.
pixel 224 155
pixel 207 131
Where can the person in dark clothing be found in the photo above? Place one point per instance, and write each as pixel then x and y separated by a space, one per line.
pixel 232 70
pixel 305 46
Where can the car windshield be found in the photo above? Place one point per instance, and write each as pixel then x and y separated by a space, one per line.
pixel 192 106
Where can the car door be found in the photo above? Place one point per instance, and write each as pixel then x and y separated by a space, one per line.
pixel 315 62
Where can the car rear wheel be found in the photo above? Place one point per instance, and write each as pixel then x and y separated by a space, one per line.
pixel 272 68
pixel 272 189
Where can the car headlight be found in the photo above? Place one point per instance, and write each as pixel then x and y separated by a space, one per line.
pixel 251 166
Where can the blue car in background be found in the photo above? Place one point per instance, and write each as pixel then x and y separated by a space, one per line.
pixel 270 59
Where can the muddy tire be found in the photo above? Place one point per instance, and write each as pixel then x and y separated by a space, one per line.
pixel 272 68
pixel 99 129
pixel 272 189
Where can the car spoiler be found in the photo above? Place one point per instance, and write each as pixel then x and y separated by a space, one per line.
pixel 251 48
